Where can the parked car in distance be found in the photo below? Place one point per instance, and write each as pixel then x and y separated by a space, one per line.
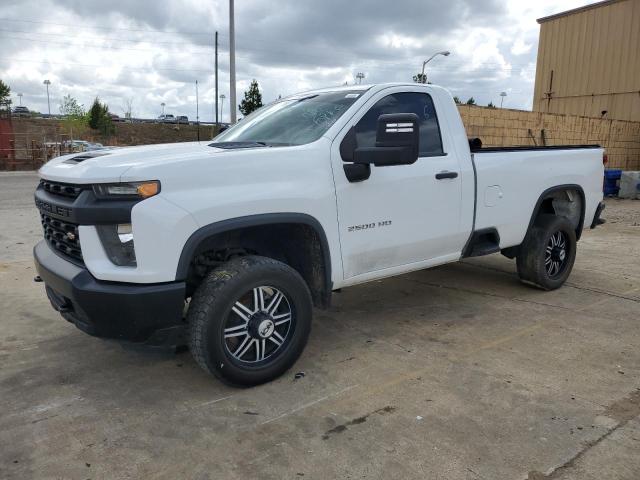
pixel 83 146
pixel 116 118
pixel 166 118
pixel 21 111
pixel 183 119
pixel 313 193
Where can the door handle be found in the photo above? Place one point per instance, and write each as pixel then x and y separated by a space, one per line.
pixel 443 175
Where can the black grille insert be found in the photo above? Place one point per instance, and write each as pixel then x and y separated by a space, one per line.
pixel 62 236
pixel 63 189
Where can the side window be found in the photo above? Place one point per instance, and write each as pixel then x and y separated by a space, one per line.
pixel 409 102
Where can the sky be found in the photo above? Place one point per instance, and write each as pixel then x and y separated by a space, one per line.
pixel 149 52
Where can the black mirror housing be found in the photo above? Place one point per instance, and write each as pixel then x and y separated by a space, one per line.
pixel 397 141
pixel 398 130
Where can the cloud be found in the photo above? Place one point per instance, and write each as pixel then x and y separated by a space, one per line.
pixel 519 47
pixel 154 51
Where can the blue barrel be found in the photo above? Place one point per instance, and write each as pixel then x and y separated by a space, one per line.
pixel 612 182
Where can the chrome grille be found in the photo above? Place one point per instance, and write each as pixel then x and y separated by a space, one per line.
pixel 62 236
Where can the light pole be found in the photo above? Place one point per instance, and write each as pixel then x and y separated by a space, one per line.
pixel 359 76
pixel 444 53
pixel 232 62
pixel 502 94
pixel 162 105
pixel 222 97
pixel 197 104
pixel 197 111
pixel 47 83
pixel 20 98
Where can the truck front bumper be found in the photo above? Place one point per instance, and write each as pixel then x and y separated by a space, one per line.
pixel 149 313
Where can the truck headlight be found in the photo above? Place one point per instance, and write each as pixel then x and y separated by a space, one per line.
pixel 127 190
pixel 117 241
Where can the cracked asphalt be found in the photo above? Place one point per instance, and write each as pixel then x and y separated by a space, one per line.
pixel 458 372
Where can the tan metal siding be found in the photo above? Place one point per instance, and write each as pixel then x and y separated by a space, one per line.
pixel 595 58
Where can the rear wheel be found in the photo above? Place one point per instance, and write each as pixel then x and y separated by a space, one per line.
pixel 249 320
pixel 547 255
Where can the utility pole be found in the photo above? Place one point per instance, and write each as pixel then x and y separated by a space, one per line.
pixel 232 63
pixel 47 83
pixel 216 93
pixel 359 76
pixel 197 111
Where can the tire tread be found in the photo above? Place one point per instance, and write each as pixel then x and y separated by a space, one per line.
pixel 530 270
pixel 203 303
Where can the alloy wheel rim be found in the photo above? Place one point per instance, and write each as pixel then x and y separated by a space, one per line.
pixel 556 254
pixel 259 325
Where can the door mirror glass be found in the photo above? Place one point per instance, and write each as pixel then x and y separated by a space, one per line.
pixel 397 141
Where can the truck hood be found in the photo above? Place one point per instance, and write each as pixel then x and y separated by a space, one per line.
pixel 110 165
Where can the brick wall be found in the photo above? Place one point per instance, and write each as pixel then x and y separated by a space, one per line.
pixel 502 127
pixel 496 127
pixel 34 139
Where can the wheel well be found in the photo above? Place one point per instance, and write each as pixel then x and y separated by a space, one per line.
pixel 565 202
pixel 298 245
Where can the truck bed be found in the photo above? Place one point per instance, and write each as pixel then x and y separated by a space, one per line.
pixel 511 180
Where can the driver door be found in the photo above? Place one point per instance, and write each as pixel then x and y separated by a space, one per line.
pixel 402 214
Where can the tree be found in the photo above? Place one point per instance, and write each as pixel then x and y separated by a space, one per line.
pixel 75 118
pixel 69 107
pixel 99 118
pixel 457 100
pixel 252 99
pixel 5 96
pixel 420 78
pixel 127 108
pixel 471 101
pixel 491 105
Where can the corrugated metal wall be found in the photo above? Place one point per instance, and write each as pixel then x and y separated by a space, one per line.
pixel 594 55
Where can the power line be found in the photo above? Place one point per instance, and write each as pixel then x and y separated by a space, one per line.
pixel 97 27
pixel 114 39
pixel 146 69
pixel 105 47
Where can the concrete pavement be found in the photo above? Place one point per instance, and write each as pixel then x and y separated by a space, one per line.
pixel 458 372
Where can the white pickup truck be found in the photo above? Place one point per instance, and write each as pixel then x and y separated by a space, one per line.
pixel 227 245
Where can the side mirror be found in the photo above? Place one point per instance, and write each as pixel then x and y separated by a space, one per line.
pixel 397 141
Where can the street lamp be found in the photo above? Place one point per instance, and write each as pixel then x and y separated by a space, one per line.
pixel 47 83
pixel 222 97
pixel 502 94
pixel 444 53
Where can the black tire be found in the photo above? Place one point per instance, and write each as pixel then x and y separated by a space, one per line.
pixel 542 263
pixel 211 320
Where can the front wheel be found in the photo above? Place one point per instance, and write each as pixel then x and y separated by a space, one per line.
pixel 548 252
pixel 249 320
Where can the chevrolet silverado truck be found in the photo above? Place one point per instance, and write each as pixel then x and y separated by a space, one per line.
pixel 227 245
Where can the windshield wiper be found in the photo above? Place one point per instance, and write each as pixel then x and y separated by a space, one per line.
pixel 232 145
pixel 306 98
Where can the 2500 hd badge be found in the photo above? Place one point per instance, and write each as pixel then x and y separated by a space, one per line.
pixel 369 226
